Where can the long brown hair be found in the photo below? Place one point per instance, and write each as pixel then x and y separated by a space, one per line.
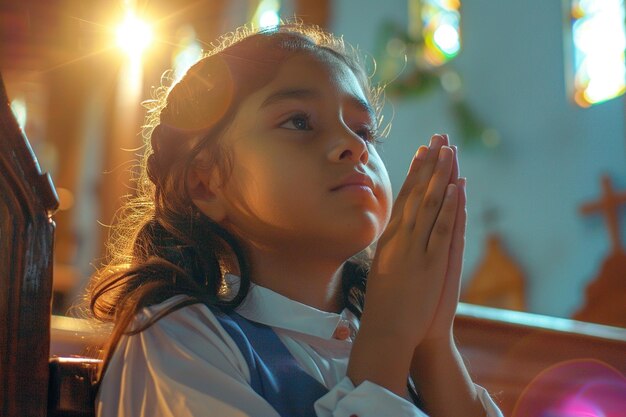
pixel 163 246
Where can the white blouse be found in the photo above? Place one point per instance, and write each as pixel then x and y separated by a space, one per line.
pixel 186 364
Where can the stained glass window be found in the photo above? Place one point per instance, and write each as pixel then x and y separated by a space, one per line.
pixel 438 22
pixel 599 42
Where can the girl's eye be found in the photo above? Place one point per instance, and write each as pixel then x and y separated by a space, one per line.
pixel 367 133
pixel 297 122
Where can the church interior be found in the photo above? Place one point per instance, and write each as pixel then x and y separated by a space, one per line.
pixel 532 93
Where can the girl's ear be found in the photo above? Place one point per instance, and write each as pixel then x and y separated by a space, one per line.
pixel 204 187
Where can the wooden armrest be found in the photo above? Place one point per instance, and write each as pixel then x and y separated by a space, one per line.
pixel 70 388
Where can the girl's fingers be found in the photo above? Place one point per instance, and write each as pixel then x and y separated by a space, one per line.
pixel 455 166
pixel 458 234
pixel 423 153
pixel 439 139
pixel 425 157
pixel 417 182
pixel 424 203
pixel 461 215
pixel 409 183
pixel 452 284
pixel 439 240
pixel 411 178
pixel 457 243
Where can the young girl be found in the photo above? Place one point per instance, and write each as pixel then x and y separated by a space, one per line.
pixel 243 288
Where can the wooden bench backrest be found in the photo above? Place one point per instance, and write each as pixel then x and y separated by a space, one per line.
pixel 27 202
pixel 513 353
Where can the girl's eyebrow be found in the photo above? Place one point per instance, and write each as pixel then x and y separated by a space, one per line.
pixel 304 93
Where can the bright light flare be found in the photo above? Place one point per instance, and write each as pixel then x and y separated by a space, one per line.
pixel 447 39
pixel 269 18
pixel 580 407
pixel 188 52
pixel 599 44
pixel 575 388
pixel 267 14
pixel 134 35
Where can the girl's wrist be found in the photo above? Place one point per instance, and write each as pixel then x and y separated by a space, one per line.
pixel 397 331
pixel 440 347
pixel 380 359
pixel 442 379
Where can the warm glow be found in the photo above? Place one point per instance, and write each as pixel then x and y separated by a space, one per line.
pixel 187 53
pixel 66 198
pixel 18 106
pixel 267 14
pixel 133 35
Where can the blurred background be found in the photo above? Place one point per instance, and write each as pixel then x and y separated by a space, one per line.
pixel 531 92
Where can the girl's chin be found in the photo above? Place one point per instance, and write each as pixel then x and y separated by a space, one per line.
pixel 363 244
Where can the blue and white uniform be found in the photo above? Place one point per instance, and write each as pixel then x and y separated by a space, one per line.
pixel 187 364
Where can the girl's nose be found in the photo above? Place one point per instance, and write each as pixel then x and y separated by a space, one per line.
pixel 349 147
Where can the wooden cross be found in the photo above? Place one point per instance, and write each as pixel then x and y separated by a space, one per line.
pixel 608 205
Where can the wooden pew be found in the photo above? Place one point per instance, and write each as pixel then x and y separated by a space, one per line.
pixel 508 352
pixel 26 240
pixel 31 385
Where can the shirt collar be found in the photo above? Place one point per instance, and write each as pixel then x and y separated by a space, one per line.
pixel 265 306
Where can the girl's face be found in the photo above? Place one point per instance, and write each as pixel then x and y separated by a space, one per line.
pixel 306 175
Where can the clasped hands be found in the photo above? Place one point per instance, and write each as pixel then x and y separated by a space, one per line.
pixel 415 278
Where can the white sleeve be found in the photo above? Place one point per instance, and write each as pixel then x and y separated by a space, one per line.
pixel 371 400
pixel 365 400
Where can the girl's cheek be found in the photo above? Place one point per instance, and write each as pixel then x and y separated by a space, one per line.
pixel 388 196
